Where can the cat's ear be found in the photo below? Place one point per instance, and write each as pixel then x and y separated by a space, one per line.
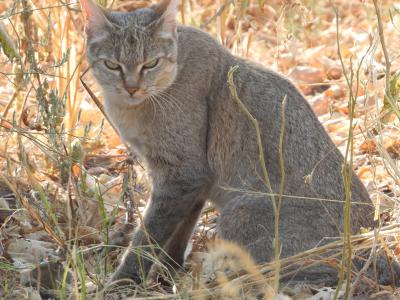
pixel 95 20
pixel 167 9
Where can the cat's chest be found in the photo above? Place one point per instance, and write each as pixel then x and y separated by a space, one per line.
pixel 131 127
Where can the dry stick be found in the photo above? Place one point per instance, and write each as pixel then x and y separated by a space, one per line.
pixel 217 14
pixel 6 16
pixel 267 183
pixel 72 110
pixel 101 107
pixel 183 12
pixel 366 265
pixel 33 212
pixel 384 49
pixel 388 93
pixel 96 100
pixel 291 197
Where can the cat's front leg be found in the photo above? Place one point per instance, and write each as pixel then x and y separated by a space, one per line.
pixel 175 249
pixel 168 206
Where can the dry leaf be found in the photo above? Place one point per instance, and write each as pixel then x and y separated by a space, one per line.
pixel 305 74
pixel 24 251
pixel 336 91
pixel 335 125
pixel 320 104
pixel 85 234
pixel 333 69
pixel 393 148
pixel 368 146
pixel 364 172
pixel 47 276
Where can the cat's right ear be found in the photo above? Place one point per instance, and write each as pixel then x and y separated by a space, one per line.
pixel 167 10
pixel 96 22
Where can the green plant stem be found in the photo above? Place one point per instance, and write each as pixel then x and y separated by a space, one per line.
pixel 267 183
pixel 347 172
pixel 281 190
pixel 232 88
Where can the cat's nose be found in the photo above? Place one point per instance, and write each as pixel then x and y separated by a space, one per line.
pixel 131 90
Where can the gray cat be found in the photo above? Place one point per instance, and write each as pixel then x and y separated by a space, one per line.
pixel 165 89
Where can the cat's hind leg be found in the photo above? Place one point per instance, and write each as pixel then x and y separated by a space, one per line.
pixel 249 222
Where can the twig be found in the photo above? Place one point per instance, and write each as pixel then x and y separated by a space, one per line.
pixel 217 14
pixel 384 49
pixel 366 265
pixel 96 100
pixel 388 92
pixel 6 16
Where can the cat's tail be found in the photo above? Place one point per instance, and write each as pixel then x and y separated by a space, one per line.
pixel 379 269
pixel 249 223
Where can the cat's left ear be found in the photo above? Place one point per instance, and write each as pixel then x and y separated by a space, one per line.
pixel 166 25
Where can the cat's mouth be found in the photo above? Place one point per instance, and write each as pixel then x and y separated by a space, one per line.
pixel 137 98
pixel 140 97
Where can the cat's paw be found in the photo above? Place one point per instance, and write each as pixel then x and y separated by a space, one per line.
pixel 122 277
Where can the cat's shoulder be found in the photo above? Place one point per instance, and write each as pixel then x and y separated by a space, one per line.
pixel 184 30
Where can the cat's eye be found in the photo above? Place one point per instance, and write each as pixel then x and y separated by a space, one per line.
pixel 151 64
pixel 111 65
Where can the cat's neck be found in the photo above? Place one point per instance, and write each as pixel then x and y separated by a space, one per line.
pixel 203 61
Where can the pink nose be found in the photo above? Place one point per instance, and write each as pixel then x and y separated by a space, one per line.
pixel 131 90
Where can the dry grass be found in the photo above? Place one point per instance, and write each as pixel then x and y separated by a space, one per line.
pixel 69 190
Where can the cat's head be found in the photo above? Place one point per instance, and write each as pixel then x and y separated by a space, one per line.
pixel 133 55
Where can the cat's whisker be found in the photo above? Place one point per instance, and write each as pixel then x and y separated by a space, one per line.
pixel 173 101
pixel 170 101
pixel 162 106
pixel 170 88
pixel 153 106
pixel 167 104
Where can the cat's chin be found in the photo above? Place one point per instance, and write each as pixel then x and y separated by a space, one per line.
pixel 122 101
pixel 132 101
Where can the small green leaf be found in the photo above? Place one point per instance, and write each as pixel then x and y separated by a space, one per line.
pixel 6 266
pixel 7 43
pixel 395 85
pixel 102 2
pixel 388 107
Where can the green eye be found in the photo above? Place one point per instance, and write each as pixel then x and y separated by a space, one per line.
pixel 151 64
pixel 111 65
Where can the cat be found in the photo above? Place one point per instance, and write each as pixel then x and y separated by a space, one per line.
pixel 165 89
